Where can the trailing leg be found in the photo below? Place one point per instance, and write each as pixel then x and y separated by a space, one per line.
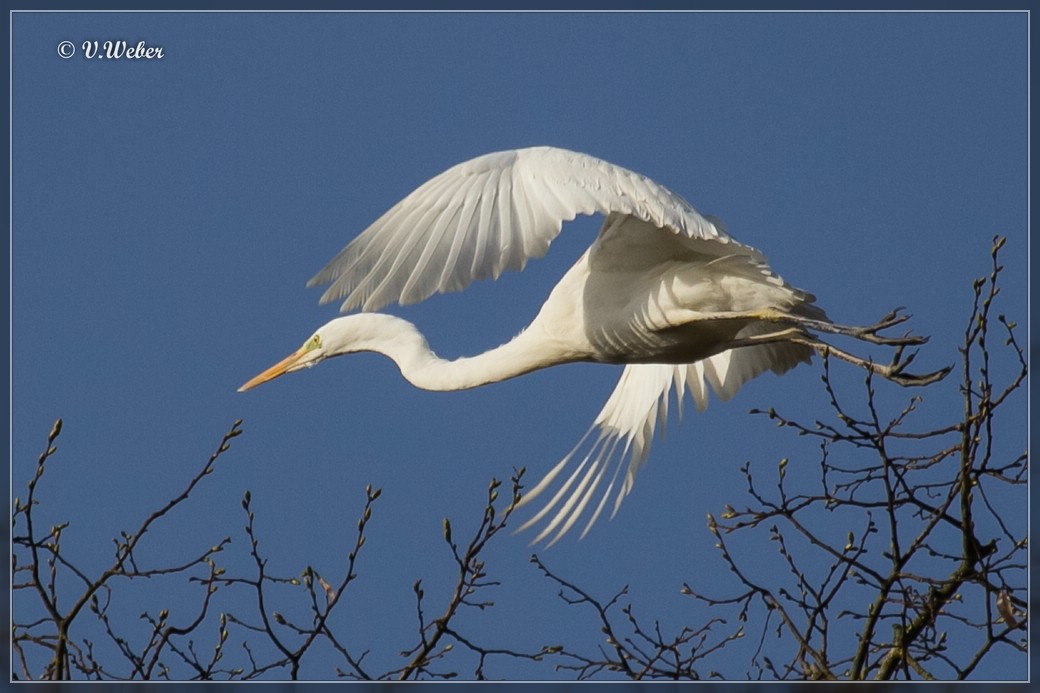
pixel 799 333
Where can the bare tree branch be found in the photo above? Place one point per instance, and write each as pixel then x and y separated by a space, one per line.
pixel 900 552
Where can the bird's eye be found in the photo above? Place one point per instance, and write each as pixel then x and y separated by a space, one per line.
pixel 314 342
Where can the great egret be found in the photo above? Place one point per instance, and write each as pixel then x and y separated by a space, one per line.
pixel 663 290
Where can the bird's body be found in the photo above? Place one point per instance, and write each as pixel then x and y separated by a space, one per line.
pixel 662 290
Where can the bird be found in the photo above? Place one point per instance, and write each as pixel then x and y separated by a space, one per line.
pixel 663 291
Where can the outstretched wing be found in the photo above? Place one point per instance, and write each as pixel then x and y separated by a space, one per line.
pixel 488 215
pixel 621 435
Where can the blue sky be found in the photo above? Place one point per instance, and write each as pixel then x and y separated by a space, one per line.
pixel 167 214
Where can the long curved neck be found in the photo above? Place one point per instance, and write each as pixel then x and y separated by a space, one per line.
pixel 402 342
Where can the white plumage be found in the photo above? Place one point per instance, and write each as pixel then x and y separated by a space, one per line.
pixel 663 290
pixel 488 215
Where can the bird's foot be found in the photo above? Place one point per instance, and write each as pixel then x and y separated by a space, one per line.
pixel 872 333
pixel 800 331
pixel 895 370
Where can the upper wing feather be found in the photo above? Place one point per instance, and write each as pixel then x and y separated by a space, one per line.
pixel 489 215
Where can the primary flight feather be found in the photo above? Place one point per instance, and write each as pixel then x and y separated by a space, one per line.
pixel 663 290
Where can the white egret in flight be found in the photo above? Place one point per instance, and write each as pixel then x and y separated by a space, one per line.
pixel 663 290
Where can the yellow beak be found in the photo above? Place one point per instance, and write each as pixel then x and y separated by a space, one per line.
pixel 280 368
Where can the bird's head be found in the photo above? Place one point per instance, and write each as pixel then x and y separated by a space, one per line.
pixel 313 352
pixel 344 335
